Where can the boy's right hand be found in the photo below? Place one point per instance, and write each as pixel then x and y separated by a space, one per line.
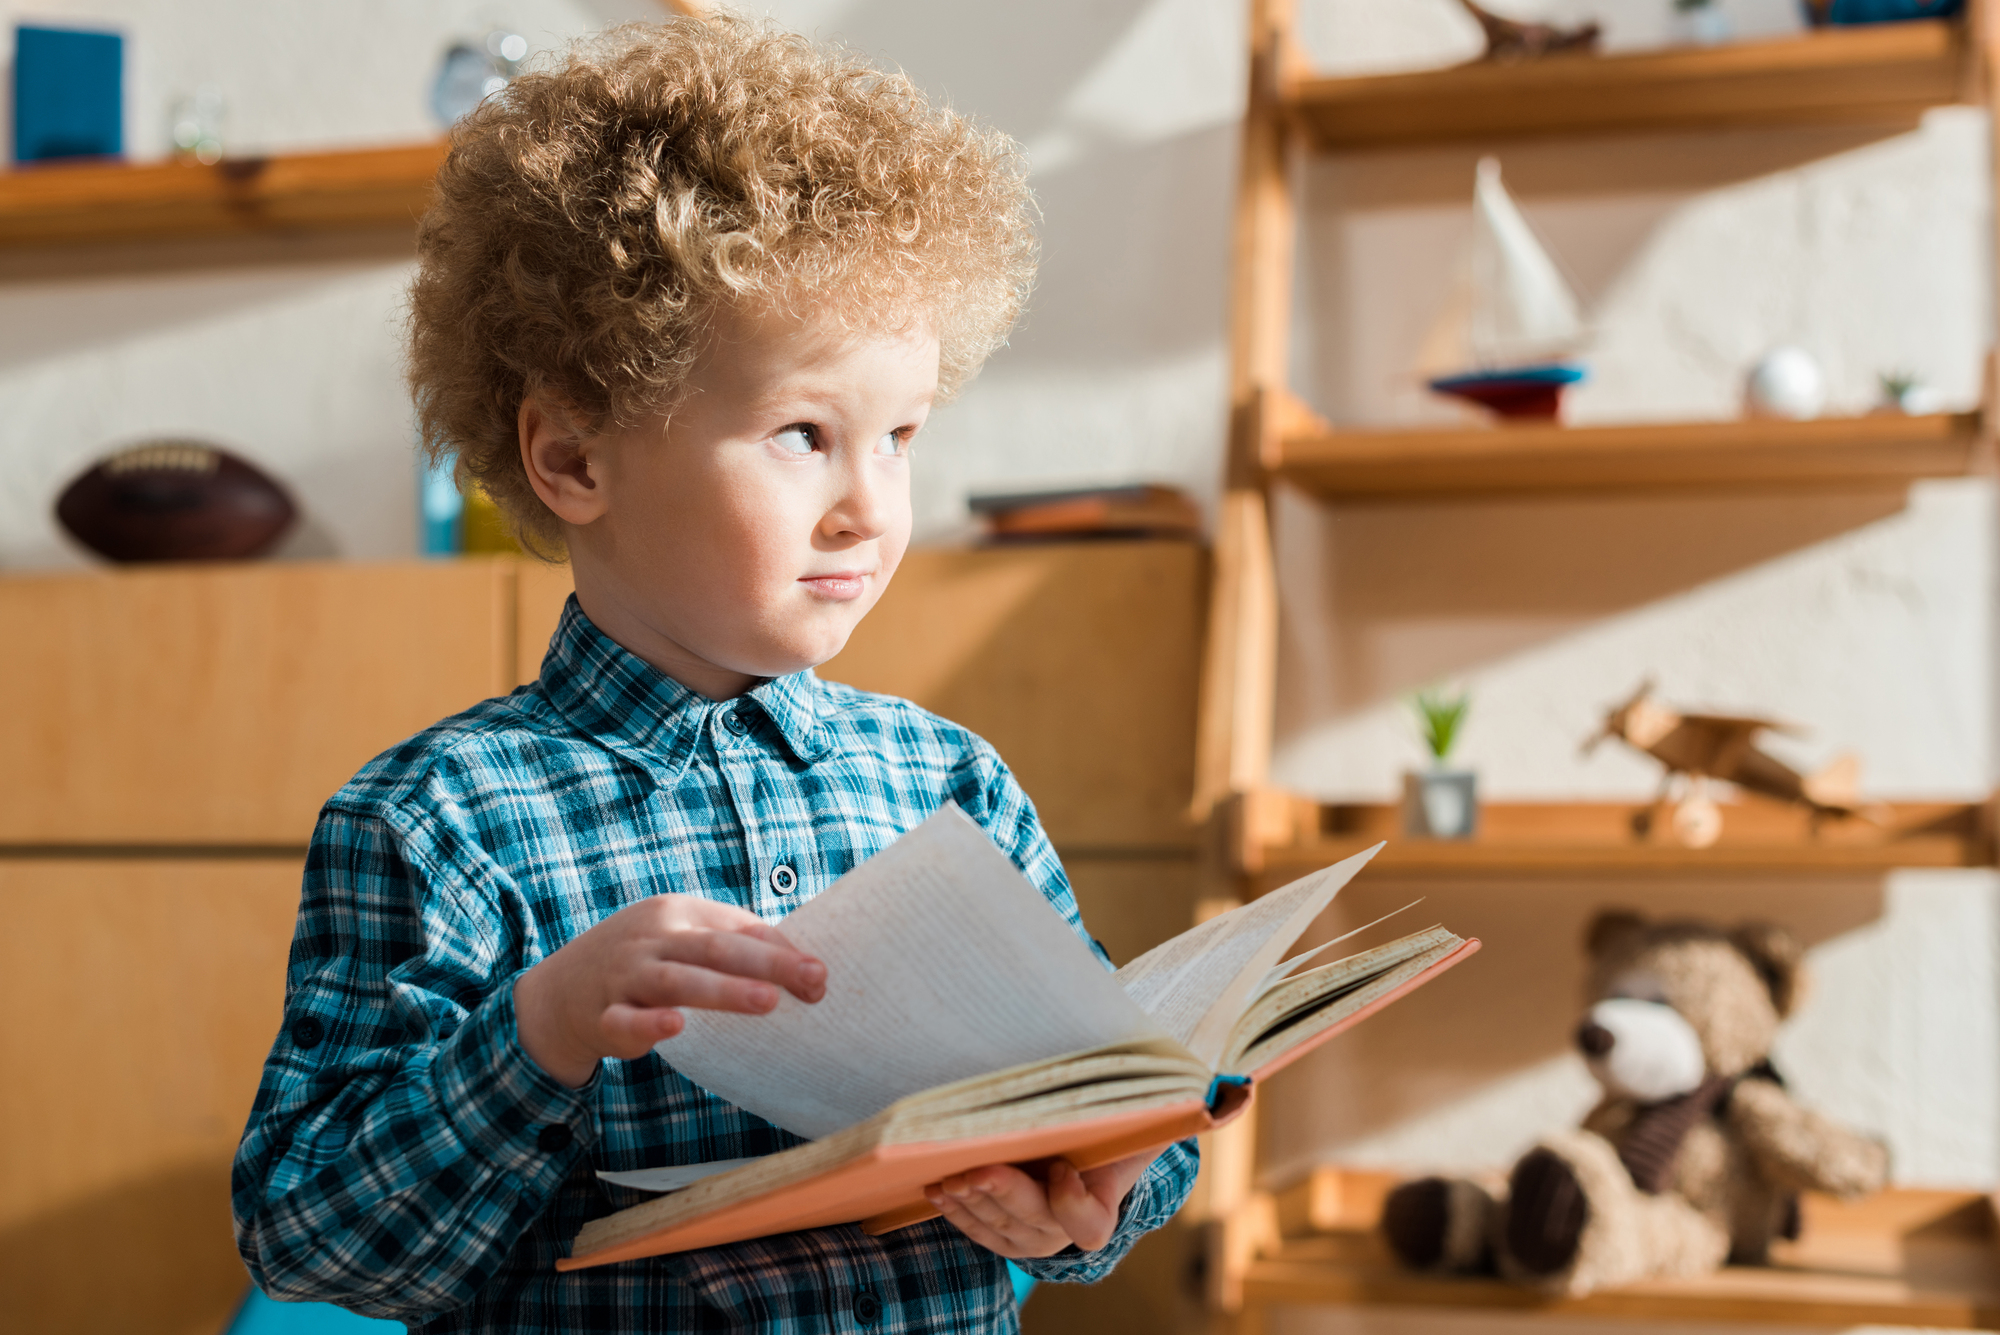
pixel 613 991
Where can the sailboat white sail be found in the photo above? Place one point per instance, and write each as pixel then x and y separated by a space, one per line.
pixel 1507 337
pixel 1529 314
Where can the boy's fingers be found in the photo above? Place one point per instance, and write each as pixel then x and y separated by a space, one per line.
pixel 631 1031
pixel 959 1218
pixel 695 912
pixel 994 1215
pixel 745 957
pixel 1088 1220
pixel 1015 1241
pixel 1019 1195
pixel 1111 1181
pixel 671 984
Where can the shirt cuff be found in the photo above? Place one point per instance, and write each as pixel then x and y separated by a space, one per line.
pixel 503 1106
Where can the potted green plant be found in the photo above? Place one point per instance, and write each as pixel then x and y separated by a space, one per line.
pixel 1440 803
pixel 1701 22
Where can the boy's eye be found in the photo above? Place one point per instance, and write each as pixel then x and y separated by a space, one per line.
pixel 893 443
pixel 795 439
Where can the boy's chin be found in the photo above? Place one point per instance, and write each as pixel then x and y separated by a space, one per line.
pixel 797 656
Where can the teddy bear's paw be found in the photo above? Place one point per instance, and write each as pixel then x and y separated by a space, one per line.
pixel 1546 1212
pixel 1437 1224
pixel 1415 1218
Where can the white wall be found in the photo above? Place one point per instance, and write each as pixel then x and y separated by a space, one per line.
pixel 1126 108
pixel 1868 616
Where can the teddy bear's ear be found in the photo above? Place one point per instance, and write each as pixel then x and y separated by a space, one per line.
pixel 1777 955
pixel 1610 929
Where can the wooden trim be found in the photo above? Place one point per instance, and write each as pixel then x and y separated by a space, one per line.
pixel 1878 450
pixel 1903 1257
pixel 63 204
pixel 1560 839
pixel 1233 732
pixel 1982 77
pixel 1886 74
pixel 1261 257
pixel 1239 668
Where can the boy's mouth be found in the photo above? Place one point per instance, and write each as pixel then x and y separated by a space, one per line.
pixel 840 586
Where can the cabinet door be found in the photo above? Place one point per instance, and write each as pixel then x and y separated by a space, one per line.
pixel 141 997
pixel 223 705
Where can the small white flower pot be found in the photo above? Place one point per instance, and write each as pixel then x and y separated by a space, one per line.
pixel 1704 25
pixel 1440 804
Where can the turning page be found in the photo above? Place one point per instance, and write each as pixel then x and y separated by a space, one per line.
pixel 943 962
pixel 1197 985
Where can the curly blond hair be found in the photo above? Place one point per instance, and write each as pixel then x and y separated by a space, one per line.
pixel 590 220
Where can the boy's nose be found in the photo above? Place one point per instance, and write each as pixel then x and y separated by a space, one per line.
pixel 860 509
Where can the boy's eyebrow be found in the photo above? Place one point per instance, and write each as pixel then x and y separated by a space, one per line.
pixel 783 401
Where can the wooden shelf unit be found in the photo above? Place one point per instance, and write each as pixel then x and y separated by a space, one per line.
pixel 1277 836
pixel 1881 450
pixel 62 204
pixel 1881 74
pixel 1857 1265
pixel 1901 1258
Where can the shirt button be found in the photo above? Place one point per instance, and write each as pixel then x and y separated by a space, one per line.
pixel 555 1138
pixel 867 1308
pixel 307 1033
pixel 734 722
pixel 783 880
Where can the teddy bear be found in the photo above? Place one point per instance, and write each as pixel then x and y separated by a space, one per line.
pixel 1694 1156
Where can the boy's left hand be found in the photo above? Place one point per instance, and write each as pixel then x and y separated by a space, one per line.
pixel 1004 1210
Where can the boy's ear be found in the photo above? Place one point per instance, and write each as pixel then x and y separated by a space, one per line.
pixel 556 455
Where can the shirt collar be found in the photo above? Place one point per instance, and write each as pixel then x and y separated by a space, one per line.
pixel 625 702
pixel 792 703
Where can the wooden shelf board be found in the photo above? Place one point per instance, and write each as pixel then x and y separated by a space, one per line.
pixel 1901 1257
pixel 82 203
pixel 1885 74
pixel 1759 838
pixel 1881 450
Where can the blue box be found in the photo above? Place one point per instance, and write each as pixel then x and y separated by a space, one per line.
pixel 69 94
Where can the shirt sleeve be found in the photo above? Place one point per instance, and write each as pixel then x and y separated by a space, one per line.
pixel 401 1141
pixel 997 801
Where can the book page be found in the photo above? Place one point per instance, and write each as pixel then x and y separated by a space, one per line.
pixel 1198 984
pixel 1277 976
pixel 1297 1013
pixel 943 962
pixel 673 1177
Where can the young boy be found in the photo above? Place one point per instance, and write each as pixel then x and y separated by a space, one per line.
pixel 682 305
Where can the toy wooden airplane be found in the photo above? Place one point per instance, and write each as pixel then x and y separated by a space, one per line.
pixel 1510 40
pixel 1701 747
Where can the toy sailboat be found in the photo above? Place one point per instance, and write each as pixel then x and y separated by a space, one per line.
pixel 1508 339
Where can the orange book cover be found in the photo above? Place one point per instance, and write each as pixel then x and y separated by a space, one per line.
pixel 883 1188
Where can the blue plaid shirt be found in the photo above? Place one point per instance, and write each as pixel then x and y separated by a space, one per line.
pixel 406 1159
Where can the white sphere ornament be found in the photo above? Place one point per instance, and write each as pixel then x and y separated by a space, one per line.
pixel 1786 383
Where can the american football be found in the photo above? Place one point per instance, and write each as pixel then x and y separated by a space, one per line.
pixel 175 500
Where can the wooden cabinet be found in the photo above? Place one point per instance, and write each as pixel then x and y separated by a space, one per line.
pixel 176 730
pixel 141 995
pixel 221 706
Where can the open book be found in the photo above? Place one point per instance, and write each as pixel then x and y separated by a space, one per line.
pixel 965 1024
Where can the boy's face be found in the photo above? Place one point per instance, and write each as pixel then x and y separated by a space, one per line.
pixel 746 535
